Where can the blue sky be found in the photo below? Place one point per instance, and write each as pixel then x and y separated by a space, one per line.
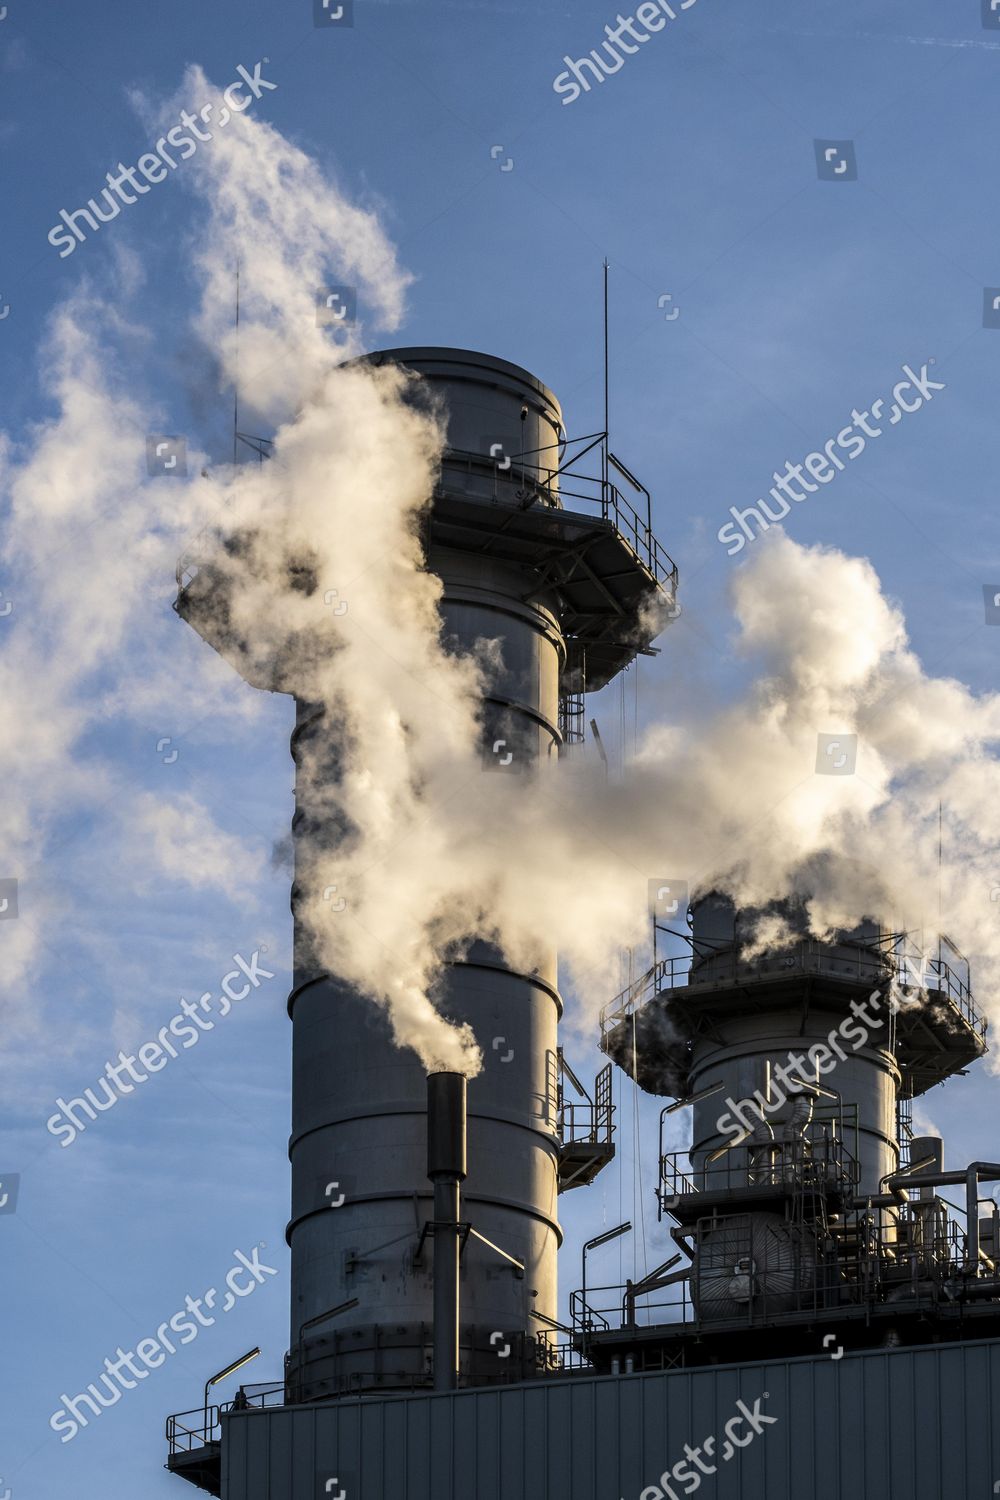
pixel 693 171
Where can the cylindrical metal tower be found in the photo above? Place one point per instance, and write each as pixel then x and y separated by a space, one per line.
pixel 782 1023
pixel 359 1103
pixel 793 1054
pixel 567 595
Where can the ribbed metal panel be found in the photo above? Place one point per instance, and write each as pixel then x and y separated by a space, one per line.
pixel 913 1423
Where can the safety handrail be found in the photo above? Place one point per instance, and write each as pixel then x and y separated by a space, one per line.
pixel 590 489
pixel 187 1430
pixel 872 966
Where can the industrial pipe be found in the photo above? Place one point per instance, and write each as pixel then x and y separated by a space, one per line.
pixel 898 1197
pixel 446 1168
pixel 972 1176
pixel 979 1171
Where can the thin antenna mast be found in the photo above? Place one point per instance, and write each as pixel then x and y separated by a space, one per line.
pixel 607 398
pixel 940 874
pixel 236 370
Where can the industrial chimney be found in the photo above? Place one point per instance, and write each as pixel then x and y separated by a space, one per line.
pixel 567 593
pixel 800 1064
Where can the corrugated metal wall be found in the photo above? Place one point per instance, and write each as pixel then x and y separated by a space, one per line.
pixel 911 1424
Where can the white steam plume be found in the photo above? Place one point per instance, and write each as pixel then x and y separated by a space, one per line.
pixel 88 546
pixel 425 852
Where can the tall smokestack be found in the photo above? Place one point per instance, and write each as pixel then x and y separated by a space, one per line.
pixel 564 595
pixel 794 1058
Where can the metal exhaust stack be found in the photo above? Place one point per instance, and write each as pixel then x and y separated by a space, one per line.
pixel 446 1168
pixel 796 1064
pixel 566 594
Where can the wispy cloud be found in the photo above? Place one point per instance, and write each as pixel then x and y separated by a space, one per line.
pixel 976 43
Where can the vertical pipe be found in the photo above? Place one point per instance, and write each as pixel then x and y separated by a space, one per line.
pixel 977 1172
pixel 446 1272
pixel 972 1218
pixel 446 1167
pixel 607 390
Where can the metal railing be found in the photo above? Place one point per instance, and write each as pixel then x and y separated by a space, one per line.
pixel 735 1280
pixel 893 962
pixel 819 1163
pixel 947 976
pixel 190 1430
pixel 662 976
pixel 583 1315
pixel 546 486
pixel 588 1120
pixel 606 1308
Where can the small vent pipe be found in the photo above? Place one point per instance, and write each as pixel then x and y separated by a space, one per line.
pixel 446 1168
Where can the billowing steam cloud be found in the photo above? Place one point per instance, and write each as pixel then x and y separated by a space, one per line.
pixel 89 542
pixel 835 661
pixel 325 591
